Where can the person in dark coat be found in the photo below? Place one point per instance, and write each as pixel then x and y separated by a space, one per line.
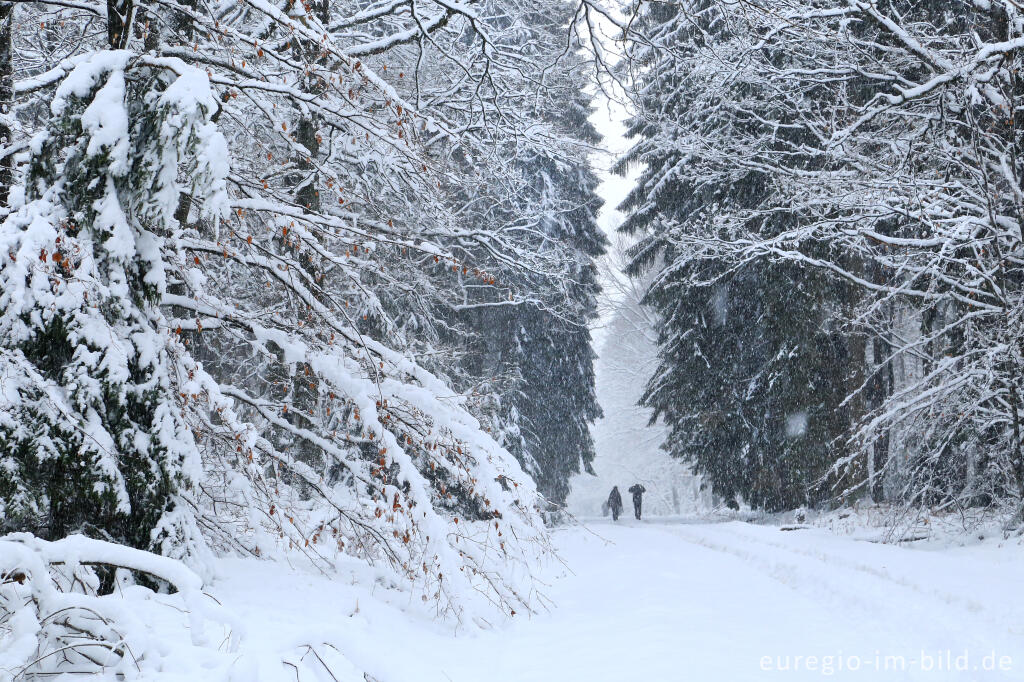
pixel 638 498
pixel 615 503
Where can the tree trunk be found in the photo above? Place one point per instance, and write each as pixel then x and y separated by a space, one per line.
pixel 6 101
pixel 881 388
pixel 119 22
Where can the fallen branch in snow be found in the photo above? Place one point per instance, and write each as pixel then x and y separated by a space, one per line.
pixel 53 617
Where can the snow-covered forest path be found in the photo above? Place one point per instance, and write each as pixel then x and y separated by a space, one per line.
pixel 708 602
pixel 658 601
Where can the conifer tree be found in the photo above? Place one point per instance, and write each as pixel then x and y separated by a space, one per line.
pixel 6 100
pixel 752 372
pixel 539 347
pixel 92 433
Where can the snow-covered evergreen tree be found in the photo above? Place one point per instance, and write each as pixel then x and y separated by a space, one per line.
pixel 753 367
pixel 557 401
pixel 91 431
pixel 535 346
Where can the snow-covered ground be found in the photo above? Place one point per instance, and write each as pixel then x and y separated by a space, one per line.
pixel 654 600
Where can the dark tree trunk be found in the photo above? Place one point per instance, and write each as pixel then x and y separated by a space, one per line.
pixel 119 22
pixel 881 388
pixel 6 100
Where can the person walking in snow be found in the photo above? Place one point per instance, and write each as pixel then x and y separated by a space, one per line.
pixel 638 498
pixel 615 503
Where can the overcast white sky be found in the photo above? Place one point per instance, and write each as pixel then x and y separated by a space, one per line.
pixel 609 118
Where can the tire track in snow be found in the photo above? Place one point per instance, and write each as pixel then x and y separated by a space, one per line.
pixel 880 572
pixel 922 611
pixel 1005 615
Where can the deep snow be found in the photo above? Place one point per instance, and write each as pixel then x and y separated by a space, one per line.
pixel 669 600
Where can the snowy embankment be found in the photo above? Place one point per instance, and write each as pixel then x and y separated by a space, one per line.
pixel 643 601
